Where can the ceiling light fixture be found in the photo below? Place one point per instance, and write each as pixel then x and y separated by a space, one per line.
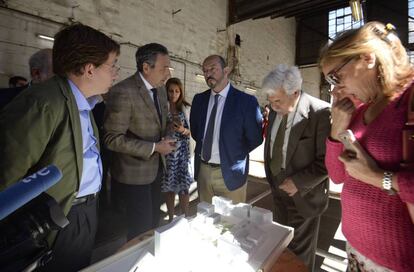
pixel 356 10
pixel 45 37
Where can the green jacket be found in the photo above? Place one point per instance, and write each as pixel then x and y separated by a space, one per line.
pixel 41 126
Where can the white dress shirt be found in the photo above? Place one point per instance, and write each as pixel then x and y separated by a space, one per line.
pixel 148 86
pixel 215 152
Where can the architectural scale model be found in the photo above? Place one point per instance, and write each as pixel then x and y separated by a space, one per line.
pixel 221 237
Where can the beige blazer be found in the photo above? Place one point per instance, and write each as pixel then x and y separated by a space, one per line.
pixel 305 156
pixel 132 126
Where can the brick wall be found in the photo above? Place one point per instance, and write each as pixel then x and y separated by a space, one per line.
pixel 311 80
pixel 196 30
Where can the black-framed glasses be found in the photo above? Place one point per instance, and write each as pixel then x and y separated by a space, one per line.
pixel 332 77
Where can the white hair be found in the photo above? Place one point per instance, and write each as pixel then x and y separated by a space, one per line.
pixel 40 60
pixel 285 77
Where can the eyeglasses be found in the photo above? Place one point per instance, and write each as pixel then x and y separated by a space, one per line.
pixel 114 67
pixel 332 77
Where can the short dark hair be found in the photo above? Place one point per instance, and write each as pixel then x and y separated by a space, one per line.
pixel 79 44
pixel 148 54
pixel 221 60
pixel 14 79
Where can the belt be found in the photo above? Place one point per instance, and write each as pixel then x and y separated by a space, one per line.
pixel 214 165
pixel 84 199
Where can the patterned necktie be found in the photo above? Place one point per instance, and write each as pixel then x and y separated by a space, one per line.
pixel 277 151
pixel 157 106
pixel 208 139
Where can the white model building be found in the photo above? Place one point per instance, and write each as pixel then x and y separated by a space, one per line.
pixel 221 237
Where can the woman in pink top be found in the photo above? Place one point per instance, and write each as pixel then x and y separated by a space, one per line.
pixel 371 65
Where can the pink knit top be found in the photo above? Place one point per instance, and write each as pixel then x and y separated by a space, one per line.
pixel 376 224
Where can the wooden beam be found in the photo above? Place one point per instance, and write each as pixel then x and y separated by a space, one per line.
pixel 302 5
pixel 240 10
pixel 257 8
pixel 319 8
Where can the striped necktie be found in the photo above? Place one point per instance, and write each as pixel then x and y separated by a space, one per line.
pixel 208 139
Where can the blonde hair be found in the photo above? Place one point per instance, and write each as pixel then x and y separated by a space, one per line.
pixel 394 68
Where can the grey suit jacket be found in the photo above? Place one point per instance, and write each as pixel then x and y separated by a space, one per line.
pixel 132 126
pixel 305 156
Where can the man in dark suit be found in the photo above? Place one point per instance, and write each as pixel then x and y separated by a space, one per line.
pixel 41 69
pixel 135 124
pixel 226 125
pixel 17 81
pixel 294 157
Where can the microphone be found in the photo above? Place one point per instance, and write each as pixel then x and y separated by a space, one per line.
pixel 27 189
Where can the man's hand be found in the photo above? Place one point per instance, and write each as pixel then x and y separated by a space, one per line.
pixel 289 187
pixel 165 146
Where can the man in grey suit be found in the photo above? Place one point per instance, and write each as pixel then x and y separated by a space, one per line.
pixel 135 124
pixel 294 157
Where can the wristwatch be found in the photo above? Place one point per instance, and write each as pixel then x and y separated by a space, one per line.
pixel 387 183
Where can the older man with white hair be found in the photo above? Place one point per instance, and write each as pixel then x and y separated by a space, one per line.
pixel 294 157
pixel 41 69
pixel 41 66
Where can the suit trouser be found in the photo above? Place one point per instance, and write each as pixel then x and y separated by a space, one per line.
pixel 73 246
pixel 211 183
pixel 142 205
pixel 306 229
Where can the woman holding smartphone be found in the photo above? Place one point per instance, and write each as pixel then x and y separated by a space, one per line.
pixel 177 179
pixel 371 65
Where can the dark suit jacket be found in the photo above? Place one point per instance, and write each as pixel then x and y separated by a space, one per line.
pixel 305 156
pixel 240 133
pixel 7 94
pixel 131 126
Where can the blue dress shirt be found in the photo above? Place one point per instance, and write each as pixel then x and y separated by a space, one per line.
pixel 92 165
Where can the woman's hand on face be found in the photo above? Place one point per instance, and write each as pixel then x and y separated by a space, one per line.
pixel 361 166
pixel 342 110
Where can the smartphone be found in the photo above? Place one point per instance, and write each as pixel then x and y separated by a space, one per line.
pixel 347 137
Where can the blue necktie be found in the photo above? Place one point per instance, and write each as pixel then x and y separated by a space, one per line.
pixel 208 139
pixel 157 106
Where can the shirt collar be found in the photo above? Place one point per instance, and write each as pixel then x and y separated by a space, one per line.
pixel 292 114
pixel 82 102
pixel 147 84
pixel 295 109
pixel 223 92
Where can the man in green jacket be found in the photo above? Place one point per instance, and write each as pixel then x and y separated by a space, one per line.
pixel 53 124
